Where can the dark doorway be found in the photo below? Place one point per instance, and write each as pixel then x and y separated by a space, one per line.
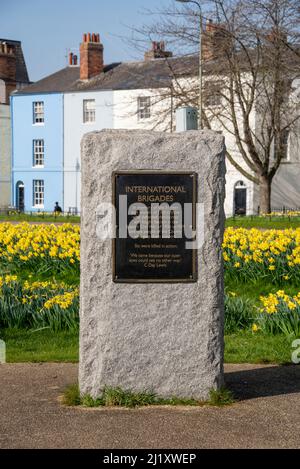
pixel 240 201
pixel 20 196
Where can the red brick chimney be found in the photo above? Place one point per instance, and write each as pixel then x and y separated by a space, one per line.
pixel 215 40
pixel 91 56
pixel 157 51
pixel 8 68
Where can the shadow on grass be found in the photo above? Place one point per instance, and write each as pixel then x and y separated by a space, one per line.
pixel 263 382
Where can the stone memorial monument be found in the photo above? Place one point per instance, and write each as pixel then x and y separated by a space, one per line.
pixel 151 314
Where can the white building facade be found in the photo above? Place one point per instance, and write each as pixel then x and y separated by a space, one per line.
pixel 138 95
pixel 120 109
pixel 83 112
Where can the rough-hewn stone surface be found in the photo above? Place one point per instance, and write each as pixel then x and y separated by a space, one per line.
pixel 167 338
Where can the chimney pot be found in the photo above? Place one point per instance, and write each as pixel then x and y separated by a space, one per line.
pixel 70 58
pixel 75 59
pixel 157 51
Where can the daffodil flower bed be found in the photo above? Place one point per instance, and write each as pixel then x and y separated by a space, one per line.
pixel 280 314
pixel 38 304
pixel 272 254
pixel 42 248
pixel 249 255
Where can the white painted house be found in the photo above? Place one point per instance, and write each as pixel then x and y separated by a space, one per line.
pixel 83 112
pixel 136 95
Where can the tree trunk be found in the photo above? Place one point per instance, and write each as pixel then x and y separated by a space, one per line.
pixel 264 194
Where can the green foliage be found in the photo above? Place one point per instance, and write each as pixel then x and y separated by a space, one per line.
pixel 45 249
pixel 220 397
pixel 280 315
pixel 38 305
pixel 40 346
pixel 266 222
pixel 254 289
pixel 47 346
pixel 71 396
pixel 248 347
pixel 117 397
pixel 239 313
pixel 269 255
pixel 35 217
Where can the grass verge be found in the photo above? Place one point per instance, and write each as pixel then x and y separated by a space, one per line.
pixel 248 347
pixel 46 346
pixel 39 218
pixel 40 346
pixel 272 223
pixel 117 397
pixel 253 290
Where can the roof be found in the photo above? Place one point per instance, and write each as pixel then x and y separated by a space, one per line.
pixel 156 73
pixel 56 83
pixel 21 70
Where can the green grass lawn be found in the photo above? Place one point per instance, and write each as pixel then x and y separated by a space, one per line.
pixel 70 277
pixel 280 222
pixel 46 346
pixel 255 289
pixel 247 347
pixel 271 223
pixel 40 346
pixel 40 218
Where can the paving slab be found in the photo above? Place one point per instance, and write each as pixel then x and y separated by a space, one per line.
pixel 266 413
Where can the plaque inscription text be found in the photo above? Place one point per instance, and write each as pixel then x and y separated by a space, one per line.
pixel 155 213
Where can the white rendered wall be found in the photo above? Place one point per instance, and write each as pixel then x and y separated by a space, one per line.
pixel 233 176
pixel 126 105
pixel 118 110
pixel 74 129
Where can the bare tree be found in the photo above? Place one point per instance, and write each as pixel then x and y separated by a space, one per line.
pixel 251 66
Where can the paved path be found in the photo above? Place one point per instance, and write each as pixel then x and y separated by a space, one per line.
pixel 266 415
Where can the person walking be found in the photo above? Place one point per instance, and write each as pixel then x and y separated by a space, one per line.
pixel 57 209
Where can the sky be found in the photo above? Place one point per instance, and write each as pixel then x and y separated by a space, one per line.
pixel 48 29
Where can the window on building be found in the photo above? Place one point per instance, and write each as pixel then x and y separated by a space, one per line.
pixel 285 144
pixel 38 152
pixel 38 193
pixel 212 95
pixel 144 105
pixel 38 112
pixel 89 110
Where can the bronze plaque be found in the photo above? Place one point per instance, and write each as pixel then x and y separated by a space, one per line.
pixel 156 253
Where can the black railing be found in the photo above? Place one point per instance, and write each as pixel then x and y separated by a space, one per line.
pixel 14 212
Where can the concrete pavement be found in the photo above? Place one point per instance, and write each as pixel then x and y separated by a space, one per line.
pixel 266 414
